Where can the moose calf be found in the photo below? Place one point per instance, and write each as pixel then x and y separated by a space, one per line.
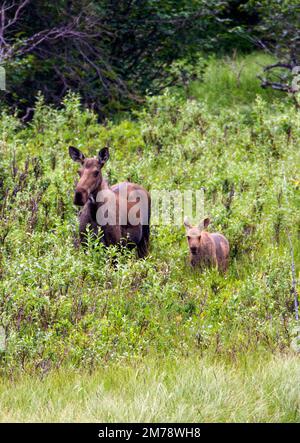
pixel 206 249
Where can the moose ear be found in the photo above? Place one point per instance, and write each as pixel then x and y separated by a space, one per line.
pixel 103 156
pixel 76 155
pixel 186 223
pixel 204 223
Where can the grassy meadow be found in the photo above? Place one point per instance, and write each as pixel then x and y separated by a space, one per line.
pixel 151 340
pixel 184 390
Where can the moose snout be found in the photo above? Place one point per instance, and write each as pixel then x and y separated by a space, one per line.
pixel 193 249
pixel 80 197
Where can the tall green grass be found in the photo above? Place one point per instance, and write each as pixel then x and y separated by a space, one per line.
pixel 189 390
pixel 232 82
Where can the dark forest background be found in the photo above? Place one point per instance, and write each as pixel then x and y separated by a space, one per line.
pixel 113 52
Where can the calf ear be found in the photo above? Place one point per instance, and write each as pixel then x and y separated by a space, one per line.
pixel 76 155
pixel 103 156
pixel 204 223
pixel 186 223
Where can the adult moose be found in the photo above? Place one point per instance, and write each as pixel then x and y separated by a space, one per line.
pixel 122 210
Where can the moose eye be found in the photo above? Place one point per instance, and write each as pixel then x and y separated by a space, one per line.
pixel 96 173
pixel 188 237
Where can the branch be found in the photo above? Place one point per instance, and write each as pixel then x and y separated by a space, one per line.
pixel 279 65
pixel 64 32
pixel 274 85
pixel 21 47
pixel 17 13
pixel 5 24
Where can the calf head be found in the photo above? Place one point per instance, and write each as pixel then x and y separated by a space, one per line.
pixel 90 173
pixel 193 234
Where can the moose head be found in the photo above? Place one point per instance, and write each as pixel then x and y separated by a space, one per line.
pixel 193 234
pixel 89 172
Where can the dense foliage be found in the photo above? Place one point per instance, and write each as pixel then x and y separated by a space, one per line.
pixel 60 304
pixel 110 52
pixel 114 52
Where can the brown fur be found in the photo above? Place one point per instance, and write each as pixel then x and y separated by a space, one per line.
pixel 88 186
pixel 207 250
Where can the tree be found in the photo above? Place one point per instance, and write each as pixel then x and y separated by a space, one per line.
pixel 278 33
pixel 110 51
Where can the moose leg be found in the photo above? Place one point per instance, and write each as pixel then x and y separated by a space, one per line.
pixel 87 219
pixel 137 237
pixel 143 245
